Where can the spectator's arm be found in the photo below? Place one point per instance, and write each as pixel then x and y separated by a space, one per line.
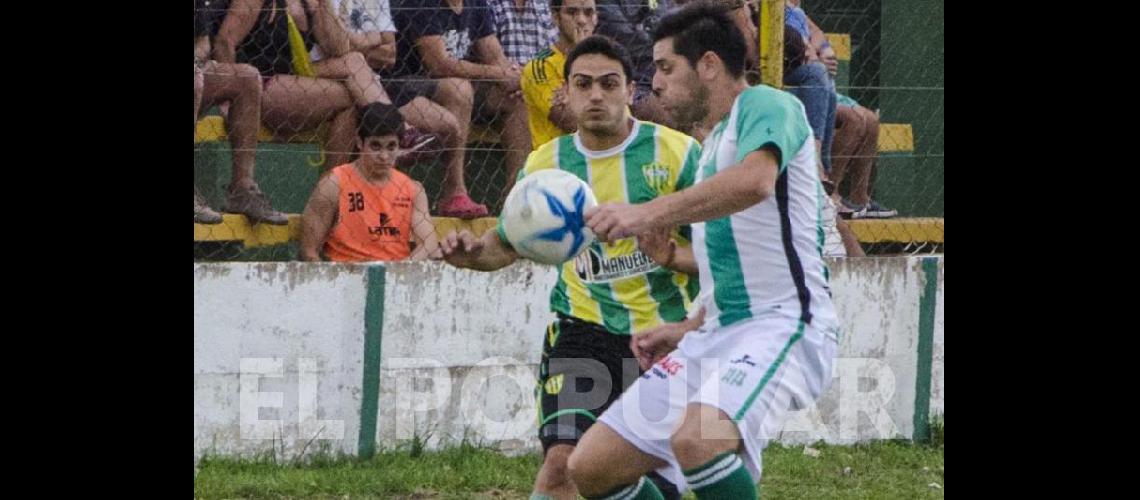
pixel 818 39
pixel 560 114
pixel 318 217
pixel 423 229
pixel 490 51
pixel 440 63
pixel 239 21
pixel 381 49
pixel 743 21
pixel 330 34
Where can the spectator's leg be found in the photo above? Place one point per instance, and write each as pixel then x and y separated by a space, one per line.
pixel 512 118
pixel 341 138
pixel 241 85
pixel 199 82
pixel 850 241
pixel 353 70
pixel 430 117
pixel 828 126
pixel 849 130
pixel 863 164
pixel 291 104
pixel 458 96
pixel 810 83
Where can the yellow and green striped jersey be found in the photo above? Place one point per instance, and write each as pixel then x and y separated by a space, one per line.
pixel 616 285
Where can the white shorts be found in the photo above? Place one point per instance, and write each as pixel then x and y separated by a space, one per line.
pixel 755 371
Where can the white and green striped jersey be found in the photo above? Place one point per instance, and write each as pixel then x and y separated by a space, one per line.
pixel 767 258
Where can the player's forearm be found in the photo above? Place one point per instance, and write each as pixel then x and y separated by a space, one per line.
pixel 729 191
pixel 495 254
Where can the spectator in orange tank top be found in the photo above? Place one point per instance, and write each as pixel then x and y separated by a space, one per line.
pixel 367 210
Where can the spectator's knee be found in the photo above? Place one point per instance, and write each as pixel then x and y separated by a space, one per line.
pixel 356 61
pixel 459 90
pixel 248 77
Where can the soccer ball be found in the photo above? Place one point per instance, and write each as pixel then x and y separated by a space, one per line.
pixel 543 216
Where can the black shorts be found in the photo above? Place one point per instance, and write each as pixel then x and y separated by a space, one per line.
pixel 402 89
pixel 584 369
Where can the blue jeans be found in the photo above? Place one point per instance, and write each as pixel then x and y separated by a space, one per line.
pixel 814 87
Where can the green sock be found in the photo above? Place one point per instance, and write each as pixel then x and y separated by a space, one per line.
pixel 641 490
pixel 722 477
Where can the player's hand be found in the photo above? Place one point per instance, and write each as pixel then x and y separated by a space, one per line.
pixel 581 33
pixel 615 221
pixel 828 58
pixel 558 97
pixel 658 245
pixel 461 249
pixel 512 79
pixel 653 344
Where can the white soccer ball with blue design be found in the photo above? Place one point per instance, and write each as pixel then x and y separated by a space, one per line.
pixel 543 216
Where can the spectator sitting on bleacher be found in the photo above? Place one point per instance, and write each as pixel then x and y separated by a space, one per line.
pixel 441 107
pixel 524 27
pixel 367 210
pixel 238 84
pixel 853 154
pixel 839 239
pixel 276 36
pixel 630 23
pixel 811 80
pixel 543 84
pixel 456 39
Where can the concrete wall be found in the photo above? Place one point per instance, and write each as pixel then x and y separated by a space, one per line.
pixel 459 352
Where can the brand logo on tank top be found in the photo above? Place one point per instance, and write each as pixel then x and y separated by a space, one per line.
pixel 385 228
pixel 592 267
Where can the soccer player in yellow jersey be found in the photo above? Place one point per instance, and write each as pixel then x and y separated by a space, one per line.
pixel 611 290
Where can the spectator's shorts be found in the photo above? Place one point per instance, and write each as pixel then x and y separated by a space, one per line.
pixel 402 89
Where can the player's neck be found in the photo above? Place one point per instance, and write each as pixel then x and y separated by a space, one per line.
pixel 722 95
pixel 602 142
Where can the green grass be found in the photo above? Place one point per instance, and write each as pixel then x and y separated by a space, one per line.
pixel 876 470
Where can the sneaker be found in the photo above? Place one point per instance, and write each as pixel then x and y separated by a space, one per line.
pixel 876 211
pixel 851 210
pixel 872 210
pixel 462 206
pixel 203 214
pixel 253 204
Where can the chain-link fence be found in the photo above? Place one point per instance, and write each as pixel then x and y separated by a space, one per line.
pixel 279 86
pixel 891 70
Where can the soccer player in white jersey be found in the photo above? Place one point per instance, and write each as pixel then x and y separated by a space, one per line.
pixel 722 384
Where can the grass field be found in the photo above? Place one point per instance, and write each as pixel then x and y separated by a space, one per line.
pixel 875 470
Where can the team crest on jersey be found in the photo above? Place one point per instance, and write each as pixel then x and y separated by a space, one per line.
pixel 656 176
pixel 554 384
pixel 593 267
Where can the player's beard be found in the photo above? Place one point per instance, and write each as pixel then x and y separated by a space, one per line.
pixel 692 110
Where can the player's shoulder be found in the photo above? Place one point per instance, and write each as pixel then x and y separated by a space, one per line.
pixel 542 157
pixel 767 100
pixel 670 139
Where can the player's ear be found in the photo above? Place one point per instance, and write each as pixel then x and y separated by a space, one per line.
pixel 630 89
pixel 707 64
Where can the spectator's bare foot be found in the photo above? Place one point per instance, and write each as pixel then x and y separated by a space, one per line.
pixel 461 206
pixel 203 214
pixel 252 203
